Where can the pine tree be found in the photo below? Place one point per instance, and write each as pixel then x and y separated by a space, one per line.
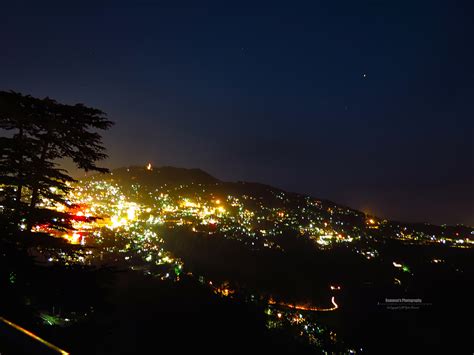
pixel 17 149
pixel 41 132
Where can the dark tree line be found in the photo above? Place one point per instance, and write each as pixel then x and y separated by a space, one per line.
pixel 36 133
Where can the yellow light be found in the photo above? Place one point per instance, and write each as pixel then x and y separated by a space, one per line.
pixel 114 222
pixel 187 203
pixel 148 167
pixel 75 237
pixel 131 212
pixel 60 208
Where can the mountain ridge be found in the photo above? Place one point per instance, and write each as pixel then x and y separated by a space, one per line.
pixel 157 177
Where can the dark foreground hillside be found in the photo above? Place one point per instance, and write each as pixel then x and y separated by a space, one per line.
pixel 127 313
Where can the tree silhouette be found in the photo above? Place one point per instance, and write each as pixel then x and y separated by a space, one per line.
pixel 41 131
pixel 16 150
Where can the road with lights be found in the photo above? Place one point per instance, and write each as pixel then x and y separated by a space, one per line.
pixel 307 308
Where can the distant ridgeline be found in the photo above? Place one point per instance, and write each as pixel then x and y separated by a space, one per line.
pixel 156 177
pixel 311 216
pixel 165 177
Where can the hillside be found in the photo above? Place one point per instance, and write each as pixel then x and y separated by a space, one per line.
pixel 198 183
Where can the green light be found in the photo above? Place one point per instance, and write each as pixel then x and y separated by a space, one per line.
pixel 49 319
pixel 12 277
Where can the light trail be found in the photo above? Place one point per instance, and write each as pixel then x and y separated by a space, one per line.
pixel 34 336
pixel 305 308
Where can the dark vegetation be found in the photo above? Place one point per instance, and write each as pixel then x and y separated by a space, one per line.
pixel 126 312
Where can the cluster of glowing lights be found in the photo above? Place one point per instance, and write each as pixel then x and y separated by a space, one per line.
pixel 74 238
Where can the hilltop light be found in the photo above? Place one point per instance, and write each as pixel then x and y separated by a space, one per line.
pixel 148 167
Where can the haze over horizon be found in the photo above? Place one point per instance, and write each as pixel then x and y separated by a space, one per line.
pixel 367 104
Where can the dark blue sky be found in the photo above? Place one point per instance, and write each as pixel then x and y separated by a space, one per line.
pixel 366 103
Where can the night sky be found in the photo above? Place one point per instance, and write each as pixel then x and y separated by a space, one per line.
pixel 369 104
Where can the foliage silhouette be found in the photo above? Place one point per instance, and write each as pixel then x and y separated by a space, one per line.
pixel 39 132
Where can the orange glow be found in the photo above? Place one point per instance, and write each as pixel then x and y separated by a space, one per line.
pixel 75 238
pixel 34 336
pixel 307 308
